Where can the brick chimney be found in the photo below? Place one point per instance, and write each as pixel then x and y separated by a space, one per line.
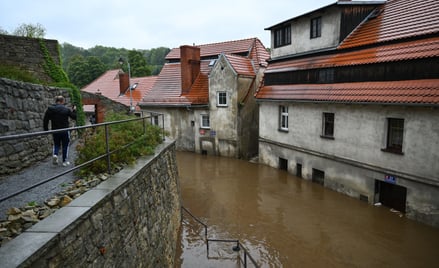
pixel 124 82
pixel 190 66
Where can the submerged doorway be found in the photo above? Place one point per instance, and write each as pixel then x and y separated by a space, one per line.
pixel 283 164
pixel 391 195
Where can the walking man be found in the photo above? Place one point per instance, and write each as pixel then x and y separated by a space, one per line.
pixel 59 115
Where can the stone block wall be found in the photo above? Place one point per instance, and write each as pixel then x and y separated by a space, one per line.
pixel 25 53
pixel 22 108
pixel 130 220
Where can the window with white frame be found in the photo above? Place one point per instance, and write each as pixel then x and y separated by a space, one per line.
pixel 283 118
pixel 205 121
pixel 221 98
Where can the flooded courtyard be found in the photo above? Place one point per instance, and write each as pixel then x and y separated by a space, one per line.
pixel 285 221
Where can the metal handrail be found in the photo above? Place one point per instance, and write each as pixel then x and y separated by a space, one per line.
pixel 106 155
pixel 235 248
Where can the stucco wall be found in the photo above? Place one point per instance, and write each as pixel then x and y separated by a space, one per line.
pixel 353 160
pixel 224 119
pixel 360 134
pixel 178 125
pixel 22 108
pixel 300 34
pixel 130 220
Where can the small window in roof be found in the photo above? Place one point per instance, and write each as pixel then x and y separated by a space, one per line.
pixel 212 62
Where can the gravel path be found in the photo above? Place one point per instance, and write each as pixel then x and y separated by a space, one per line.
pixel 32 175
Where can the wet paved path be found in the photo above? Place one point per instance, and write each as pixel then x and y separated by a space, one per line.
pixel 32 175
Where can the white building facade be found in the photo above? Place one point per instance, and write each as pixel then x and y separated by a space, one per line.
pixel 355 119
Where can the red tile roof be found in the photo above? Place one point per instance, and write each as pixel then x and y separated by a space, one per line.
pixel 108 85
pixel 395 92
pixel 167 89
pixel 397 19
pixel 402 30
pixel 251 46
pixel 427 48
pixel 241 65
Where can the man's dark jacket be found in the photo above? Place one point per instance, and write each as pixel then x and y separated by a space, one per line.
pixel 59 115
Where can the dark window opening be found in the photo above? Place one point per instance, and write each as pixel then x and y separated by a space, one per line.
pixel 328 125
pixel 391 195
pixel 282 36
pixel 283 164
pixel 299 170
pixel 364 198
pixel 326 76
pixel 316 27
pixel 318 176
pixel 395 133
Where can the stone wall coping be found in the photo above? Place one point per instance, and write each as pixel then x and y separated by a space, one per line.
pixel 29 243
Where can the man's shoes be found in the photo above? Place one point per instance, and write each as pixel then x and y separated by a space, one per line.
pixel 66 163
pixel 55 159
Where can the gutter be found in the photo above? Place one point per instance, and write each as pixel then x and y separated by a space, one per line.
pixel 432 105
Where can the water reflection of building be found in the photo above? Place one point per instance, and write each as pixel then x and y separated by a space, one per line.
pixel 206 93
pixel 350 101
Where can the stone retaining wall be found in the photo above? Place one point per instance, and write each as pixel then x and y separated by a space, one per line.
pixel 130 220
pixel 25 53
pixel 22 108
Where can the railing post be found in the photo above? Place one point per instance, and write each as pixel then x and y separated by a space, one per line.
pixel 163 125
pixel 107 149
pixel 245 259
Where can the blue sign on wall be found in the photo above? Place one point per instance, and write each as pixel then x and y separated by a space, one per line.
pixel 390 179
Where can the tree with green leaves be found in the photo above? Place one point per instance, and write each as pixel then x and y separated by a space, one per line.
pixel 83 70
pixel 138 64
pixel 30 30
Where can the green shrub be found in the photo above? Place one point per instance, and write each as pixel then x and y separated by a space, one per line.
pixel 93 144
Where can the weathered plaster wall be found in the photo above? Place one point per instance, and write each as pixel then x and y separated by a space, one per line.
pixel 300 34
pixel 223 119
pixel 130 220
pixel 353 160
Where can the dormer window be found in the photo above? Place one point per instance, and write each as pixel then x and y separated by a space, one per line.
pixel 212 63
pixel 282 36
pixel 316 27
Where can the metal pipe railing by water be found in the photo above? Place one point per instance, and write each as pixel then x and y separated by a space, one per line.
pixel 236 248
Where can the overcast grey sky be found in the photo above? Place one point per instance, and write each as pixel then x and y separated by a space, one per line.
pixel 135 24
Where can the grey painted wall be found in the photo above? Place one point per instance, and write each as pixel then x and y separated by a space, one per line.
pixel 300 34
pixel 353 160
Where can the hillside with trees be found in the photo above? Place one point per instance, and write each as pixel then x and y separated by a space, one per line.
pixel 85 65
pixel 82 66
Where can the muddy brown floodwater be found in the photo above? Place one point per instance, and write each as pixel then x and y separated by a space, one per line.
pixel 285 221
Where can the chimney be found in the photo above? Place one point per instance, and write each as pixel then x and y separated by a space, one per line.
pixel 190 66
pixel 124 82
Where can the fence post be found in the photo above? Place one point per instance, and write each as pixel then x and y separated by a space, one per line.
pixel 108 149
